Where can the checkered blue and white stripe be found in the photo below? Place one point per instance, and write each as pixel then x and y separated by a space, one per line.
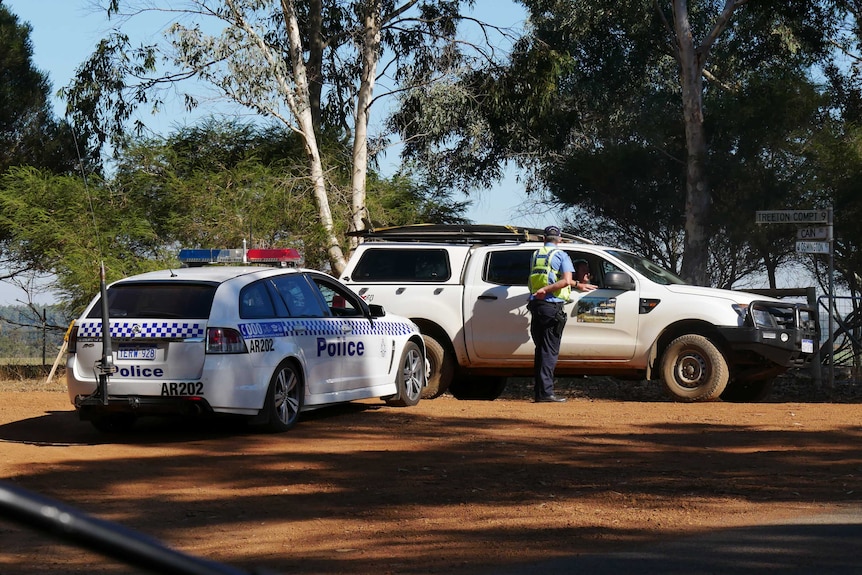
pixel 155 329
pixel 184 330
pixel 324 327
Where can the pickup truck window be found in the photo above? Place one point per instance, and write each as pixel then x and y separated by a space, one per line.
pixel 387 265
pixel 651 270
pixel 508 268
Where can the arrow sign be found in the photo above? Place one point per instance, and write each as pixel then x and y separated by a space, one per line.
pixel 821 233
pixel 812 247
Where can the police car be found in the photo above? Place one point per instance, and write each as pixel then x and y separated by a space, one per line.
pixel 262 342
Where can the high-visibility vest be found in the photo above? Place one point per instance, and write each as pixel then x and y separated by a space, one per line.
pixel 541 273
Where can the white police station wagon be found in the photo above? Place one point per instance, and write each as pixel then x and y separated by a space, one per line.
pixel 261 342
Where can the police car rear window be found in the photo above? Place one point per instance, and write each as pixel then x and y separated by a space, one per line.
pixel 415 265
pixel 168 301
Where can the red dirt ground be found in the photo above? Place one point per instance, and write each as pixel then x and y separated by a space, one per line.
pixel 444 487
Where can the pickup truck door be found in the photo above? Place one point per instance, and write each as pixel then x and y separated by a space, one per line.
pixel 496 320
pixel 602 324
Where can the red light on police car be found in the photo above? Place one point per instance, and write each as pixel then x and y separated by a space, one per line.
pixel 285 255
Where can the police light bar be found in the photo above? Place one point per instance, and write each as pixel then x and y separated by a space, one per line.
pixel 281 257
pixel 205 256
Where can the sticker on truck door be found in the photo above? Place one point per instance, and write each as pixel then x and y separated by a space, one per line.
pixel 597 309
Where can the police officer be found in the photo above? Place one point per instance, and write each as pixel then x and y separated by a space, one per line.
pixel 550 282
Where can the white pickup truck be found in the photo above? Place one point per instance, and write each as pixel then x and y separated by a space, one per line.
pixel 466 289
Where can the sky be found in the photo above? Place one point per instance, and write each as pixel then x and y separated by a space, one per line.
pixel 65 32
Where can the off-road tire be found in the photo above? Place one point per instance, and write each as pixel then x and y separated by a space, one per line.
pixel 439 369
pixel 694 369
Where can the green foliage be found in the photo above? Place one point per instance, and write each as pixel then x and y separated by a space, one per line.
pixel 589 107
pixel 220 183
pixel 60 225
pixel 29 133
pixel 401 200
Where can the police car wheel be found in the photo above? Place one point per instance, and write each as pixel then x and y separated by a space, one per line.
pixel 693 369
pixel 283 399
pixel 411 376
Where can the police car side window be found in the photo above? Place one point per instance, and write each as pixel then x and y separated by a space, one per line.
pixel 254 302
pixel 299 297
pixel 340 303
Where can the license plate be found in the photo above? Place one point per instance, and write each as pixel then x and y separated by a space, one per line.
pixel 137 353
pixel 807 346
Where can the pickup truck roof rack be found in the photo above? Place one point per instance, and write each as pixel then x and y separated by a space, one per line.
pixel 458 233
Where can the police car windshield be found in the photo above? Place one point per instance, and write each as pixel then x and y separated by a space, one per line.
pixel 647 268
pixel 153 300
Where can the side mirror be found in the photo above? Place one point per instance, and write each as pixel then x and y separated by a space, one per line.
pixel 619 280
pixel 376 310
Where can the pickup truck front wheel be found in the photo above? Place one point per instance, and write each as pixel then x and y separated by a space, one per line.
pixel 693 369
pixel 440 368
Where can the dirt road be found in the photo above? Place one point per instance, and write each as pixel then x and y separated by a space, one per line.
pixel 445 487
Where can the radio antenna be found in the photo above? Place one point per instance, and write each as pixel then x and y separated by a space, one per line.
pixel 105 366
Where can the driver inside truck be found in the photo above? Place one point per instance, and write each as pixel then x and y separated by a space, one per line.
pixel 582 276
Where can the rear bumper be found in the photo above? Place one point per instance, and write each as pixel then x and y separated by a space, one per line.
pixel 92 406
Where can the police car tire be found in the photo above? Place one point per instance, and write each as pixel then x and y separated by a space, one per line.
pixel 410 377
pixel 694 369
pixel 440 368
pixel 283 398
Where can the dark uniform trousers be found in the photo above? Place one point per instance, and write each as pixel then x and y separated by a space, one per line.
pixel 546 329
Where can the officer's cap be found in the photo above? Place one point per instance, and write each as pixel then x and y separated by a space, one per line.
pixel 552 232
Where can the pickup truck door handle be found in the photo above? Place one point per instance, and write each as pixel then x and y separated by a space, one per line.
pixel 488 297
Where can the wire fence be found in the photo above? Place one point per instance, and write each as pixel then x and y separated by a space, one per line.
pixel 845 356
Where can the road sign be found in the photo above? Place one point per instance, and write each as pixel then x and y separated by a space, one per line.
pixel 792 217
pixel 821 233
pixel 812 247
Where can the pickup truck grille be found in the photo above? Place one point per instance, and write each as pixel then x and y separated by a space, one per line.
pixel 777 315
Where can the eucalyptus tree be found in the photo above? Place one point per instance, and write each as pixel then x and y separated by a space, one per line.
pixel 219 183
pixel 56 231
pixel 627 110
pixel 312 66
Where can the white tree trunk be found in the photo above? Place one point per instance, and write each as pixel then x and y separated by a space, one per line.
pixel 370 55
pixel 301 109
